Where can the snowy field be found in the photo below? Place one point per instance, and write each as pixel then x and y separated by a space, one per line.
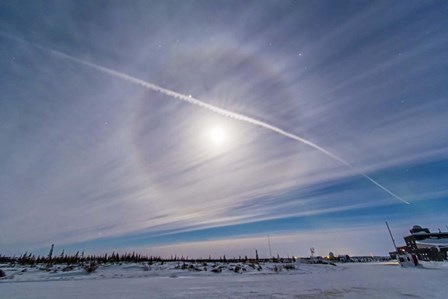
pixel 249 281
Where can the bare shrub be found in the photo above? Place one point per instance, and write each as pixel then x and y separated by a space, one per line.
pixel 289 267
pixel 90 268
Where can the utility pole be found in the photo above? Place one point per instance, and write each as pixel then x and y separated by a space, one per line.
pixel 270 251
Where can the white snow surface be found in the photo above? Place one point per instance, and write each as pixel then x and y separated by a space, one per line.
pixel 352 280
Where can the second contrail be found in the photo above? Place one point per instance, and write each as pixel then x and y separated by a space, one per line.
pixel 194 101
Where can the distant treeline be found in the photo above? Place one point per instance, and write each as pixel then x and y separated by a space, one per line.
pixel 77 258
pixel 82 258
pixel 29 258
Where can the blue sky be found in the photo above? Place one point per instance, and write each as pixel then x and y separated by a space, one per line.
pixel 91 160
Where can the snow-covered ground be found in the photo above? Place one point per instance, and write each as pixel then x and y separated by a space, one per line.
pixel 378 280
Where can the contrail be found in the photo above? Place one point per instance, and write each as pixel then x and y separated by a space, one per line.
pixel 194 101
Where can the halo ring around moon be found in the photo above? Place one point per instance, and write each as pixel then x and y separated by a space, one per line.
pixel 200 70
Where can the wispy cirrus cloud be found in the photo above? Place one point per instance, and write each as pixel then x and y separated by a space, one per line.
pixel 86 156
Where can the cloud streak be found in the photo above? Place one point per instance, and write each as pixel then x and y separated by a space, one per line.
pixel 191 100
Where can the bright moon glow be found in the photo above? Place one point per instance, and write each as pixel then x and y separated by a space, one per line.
pixel 217 135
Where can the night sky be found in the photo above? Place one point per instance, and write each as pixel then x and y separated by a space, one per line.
pixel 97 154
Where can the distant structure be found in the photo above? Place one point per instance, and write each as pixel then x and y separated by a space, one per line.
pixel 426 245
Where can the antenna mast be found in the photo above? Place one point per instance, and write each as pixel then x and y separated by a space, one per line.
pixel 390 233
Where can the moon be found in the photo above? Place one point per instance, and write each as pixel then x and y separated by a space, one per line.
pixel 217 135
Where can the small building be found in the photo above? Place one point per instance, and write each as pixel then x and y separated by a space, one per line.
pixel 426 245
